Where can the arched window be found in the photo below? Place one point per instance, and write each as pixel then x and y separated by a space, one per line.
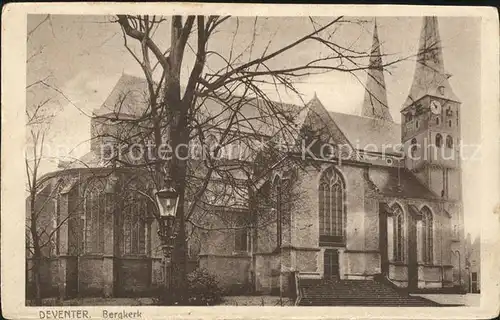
pixel 134 226
pixel 449 142
pixel 427 222
pixel 94 207
pixel 56 237
pixel 413 147
pixel 277 206
pixel 449 123
pixel 331 204
pixel 399 234
pixel 416 124
pixel 439 140
pixel 438 120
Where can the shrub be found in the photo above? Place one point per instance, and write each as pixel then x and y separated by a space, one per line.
pixel 203 288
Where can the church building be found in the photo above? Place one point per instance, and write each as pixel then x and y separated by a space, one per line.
pixel 390 207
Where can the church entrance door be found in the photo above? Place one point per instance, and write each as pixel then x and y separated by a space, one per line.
pixel 331 263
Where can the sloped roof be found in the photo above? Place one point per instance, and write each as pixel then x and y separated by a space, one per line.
pixel 366 133
pixel 253 115
pixel 88 160
pixel 399 182
pixel 128 97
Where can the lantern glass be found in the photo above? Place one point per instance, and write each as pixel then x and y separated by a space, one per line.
pixel 167 202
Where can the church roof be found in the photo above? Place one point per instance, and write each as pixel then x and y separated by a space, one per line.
pixel 254 115
pixel 430 77
pixel 368 133
pixel 399 182
pixel 128 98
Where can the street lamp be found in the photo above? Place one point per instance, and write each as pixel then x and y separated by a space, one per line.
pixel 168 201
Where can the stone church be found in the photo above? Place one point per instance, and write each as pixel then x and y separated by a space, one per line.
pixel 392 209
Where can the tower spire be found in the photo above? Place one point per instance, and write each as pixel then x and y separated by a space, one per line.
pixel 375 101
pixel 430 77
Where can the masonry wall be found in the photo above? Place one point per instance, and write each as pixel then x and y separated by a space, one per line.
pixel 359 256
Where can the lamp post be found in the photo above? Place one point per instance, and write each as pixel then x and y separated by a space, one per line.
pixel 168 201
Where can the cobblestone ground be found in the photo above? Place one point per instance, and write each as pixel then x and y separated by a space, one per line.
pixel 470 299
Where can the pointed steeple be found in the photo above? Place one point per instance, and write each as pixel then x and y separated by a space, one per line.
pixel 375 102
pixel 430 77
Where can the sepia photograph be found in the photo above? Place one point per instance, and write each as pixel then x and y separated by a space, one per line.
pixel 185 160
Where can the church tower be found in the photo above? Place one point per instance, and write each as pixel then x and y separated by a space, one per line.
pixel 430 116
pixel 375 102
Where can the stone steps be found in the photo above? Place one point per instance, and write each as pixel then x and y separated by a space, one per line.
pixel 335 292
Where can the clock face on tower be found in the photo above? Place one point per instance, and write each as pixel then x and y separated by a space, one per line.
pixel 435 107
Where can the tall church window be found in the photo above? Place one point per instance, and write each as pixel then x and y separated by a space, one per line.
pixel 134 227
pixel 398 234
pixel 331 204
pixel 56 220
pixel 439 140
pixel 241 235
pixel 449 123
pixel 94 207
pixel 277 206
pixel 438 120
pixel 413 147
pixel 449 142
pixel 427 239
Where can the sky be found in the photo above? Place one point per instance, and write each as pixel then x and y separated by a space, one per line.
pixel 84 56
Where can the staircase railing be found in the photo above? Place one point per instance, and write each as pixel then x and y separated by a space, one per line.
pixel 383 278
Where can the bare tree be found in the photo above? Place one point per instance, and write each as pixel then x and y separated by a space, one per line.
pixel 42 222
pixel 224 95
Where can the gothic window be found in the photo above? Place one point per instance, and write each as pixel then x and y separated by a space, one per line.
pixel 449 123
pixel 331 204
pixel 416 124
pixel 441 90
pixel 413 147
pixel 241 240
pixel 56 219
pixel 439 140
pixel 427 222
pixel 449 142
pixel 438 121
pixel 134 227
pixel 241 236
pixel 94 214
pixel 277 206
pixel 398 234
